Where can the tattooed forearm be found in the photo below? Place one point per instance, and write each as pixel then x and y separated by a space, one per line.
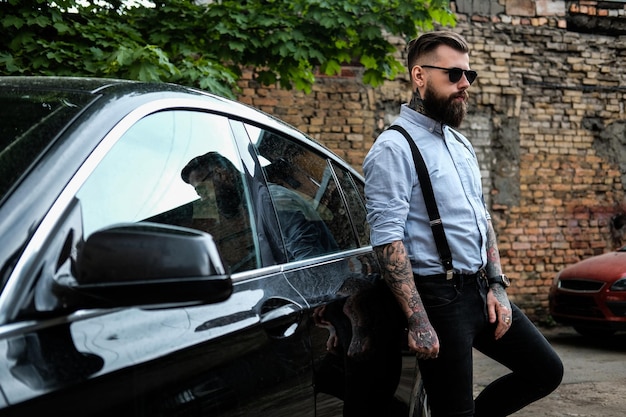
pixel 396 268
pixel 494 267
pixel 398 274
pixel 395 263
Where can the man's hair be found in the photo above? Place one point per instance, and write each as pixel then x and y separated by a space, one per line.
pixel 208 161
pixel 428 42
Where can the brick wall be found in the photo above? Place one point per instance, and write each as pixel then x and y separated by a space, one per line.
pixel 546 118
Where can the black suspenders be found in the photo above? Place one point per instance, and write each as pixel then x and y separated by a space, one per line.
pixel 436 225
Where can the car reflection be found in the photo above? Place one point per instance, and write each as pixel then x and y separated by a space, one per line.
pixel 49 359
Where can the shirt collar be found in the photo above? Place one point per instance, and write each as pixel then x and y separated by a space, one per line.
pixel 422 120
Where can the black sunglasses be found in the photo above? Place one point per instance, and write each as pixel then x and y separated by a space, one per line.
pixel 455 74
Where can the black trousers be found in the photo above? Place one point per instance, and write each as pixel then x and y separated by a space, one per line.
pixel 457 310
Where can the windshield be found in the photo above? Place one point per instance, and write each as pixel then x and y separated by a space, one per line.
pixel 29 121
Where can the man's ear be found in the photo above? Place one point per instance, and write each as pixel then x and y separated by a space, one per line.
pixel 417 76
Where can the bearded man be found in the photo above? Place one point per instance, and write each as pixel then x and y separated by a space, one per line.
pixel 444 269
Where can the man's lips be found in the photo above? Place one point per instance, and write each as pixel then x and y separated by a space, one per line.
pixel 463 96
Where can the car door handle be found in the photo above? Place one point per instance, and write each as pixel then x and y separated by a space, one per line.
pixel 281 321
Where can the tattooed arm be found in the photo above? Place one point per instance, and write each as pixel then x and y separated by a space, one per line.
pixel 399 277
pixel 498 304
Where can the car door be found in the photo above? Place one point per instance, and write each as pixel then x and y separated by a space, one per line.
pixel 247 355
pixel 334 268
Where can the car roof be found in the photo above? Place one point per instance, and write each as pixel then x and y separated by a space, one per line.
pixel 84 84
pixel 111 88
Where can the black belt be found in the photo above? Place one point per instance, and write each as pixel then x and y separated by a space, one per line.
pixel 480 274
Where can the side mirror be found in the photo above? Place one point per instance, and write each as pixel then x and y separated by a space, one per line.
pixel 148 265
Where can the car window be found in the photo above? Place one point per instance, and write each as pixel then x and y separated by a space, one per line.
pixel 355 199
pixel 180 168
pixel 312 215
pixel 26 120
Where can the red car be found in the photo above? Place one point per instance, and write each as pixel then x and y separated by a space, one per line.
pixel 590 295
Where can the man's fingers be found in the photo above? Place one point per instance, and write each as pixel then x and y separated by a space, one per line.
pixel 427 354
pixel 426 346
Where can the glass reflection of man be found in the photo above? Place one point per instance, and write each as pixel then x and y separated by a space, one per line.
pixel 221 211
pixel 217 182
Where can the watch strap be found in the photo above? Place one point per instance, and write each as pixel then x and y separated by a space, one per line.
pixel 500 279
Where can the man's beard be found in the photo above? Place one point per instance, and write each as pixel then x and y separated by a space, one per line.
pixel 228 200
pixel 447 110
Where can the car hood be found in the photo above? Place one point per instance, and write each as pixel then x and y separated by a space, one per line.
pixel 607 267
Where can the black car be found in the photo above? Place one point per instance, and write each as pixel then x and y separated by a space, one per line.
pixel 164 251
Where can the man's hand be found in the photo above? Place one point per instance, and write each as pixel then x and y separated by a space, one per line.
pixel 320 321
pixel 423 339
pixel 499 309
pixel 399 277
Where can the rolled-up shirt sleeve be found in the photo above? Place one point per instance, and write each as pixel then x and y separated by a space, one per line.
pixel 389 178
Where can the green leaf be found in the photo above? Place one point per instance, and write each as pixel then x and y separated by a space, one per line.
pixel 237 46
pixel 148 72
pixel 331 67
pixel 368 61
pixel 40 20
pixel 12 21
pixel 61 27
pixel 7 61
pixel 372 78
pixel 124 56
pixel 39 62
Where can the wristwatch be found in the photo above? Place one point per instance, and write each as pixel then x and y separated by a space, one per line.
pixel 500 279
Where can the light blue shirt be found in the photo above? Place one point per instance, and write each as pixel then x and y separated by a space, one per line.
pixel 395 204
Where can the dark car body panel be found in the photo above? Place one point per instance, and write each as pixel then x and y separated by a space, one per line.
pixel 161 369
